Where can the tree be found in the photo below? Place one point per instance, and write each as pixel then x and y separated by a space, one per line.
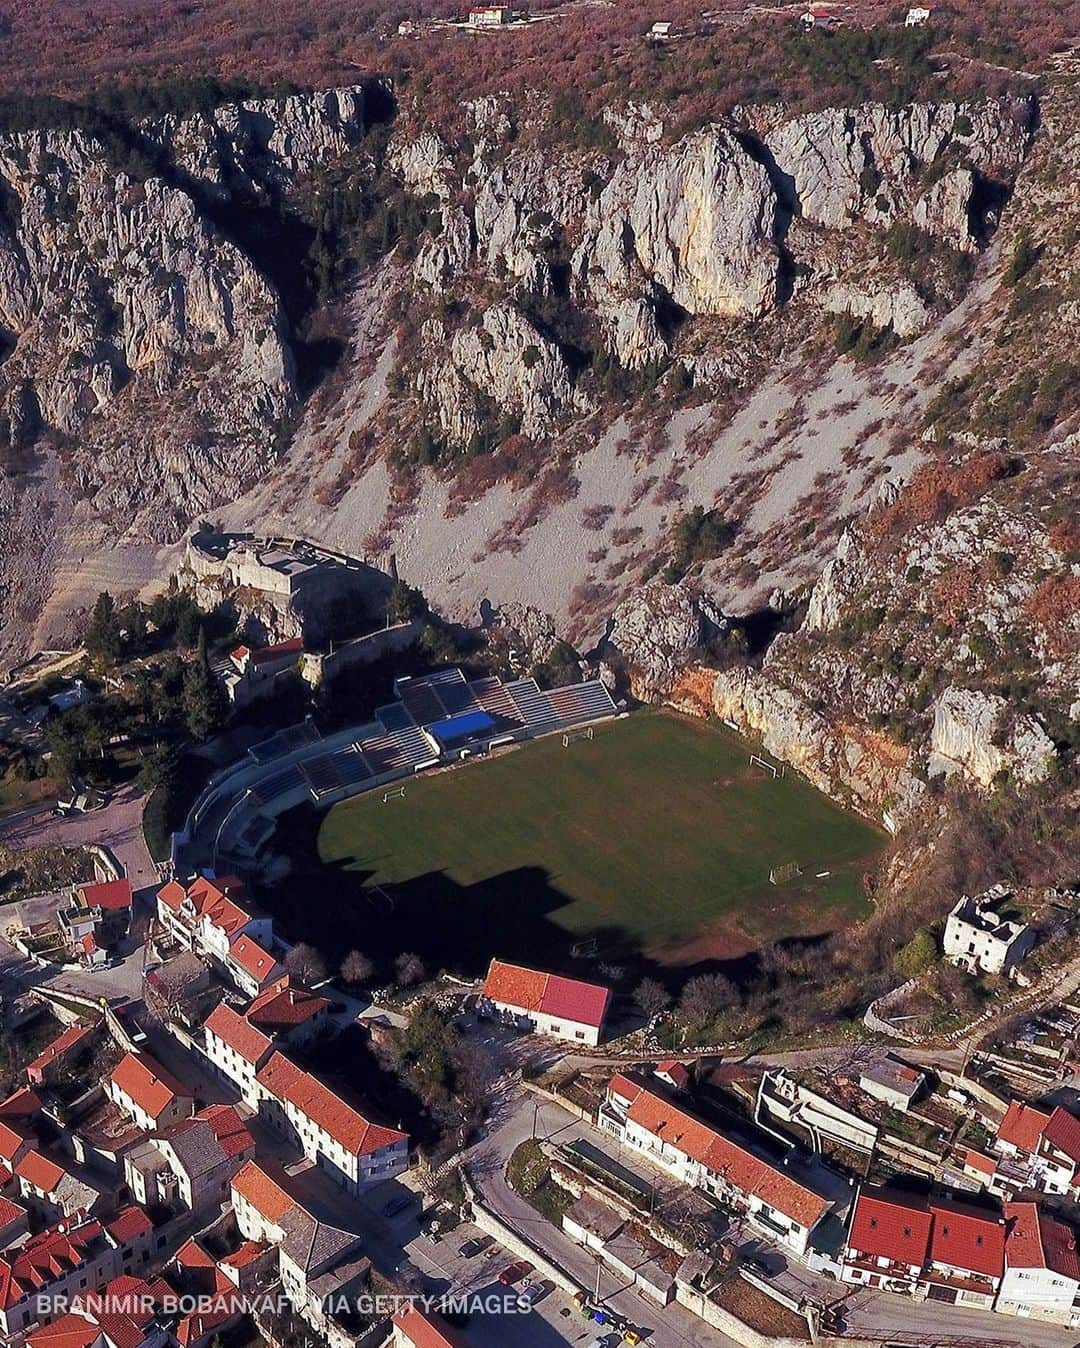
pixel 158 768
pixel 705 996
pixel 918 955
pixel 409 969
pixel 204 699
pixel 170 993
pixel 404 602
pixel 357 969
pixel 428 1048
pixel 306 964
pixel 103 634
pixel 651 997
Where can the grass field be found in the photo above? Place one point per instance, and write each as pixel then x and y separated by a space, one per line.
pixel 655 836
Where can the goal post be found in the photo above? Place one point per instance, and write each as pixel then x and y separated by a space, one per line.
pixel 397 794
pixel 781 874
pixel 756 761
pixel 571 736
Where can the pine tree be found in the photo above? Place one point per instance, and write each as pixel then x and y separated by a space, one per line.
pixel 204 700
pixel 103 634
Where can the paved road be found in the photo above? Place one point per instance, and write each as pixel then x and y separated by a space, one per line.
pixel 118 827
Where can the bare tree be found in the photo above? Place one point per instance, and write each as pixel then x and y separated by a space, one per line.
pixel 409 969
pixel 651 997
pixel 706 995
pixel 306 964
pixel 170 993
pixel 357 969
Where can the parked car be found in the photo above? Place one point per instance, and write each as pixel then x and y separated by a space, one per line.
pixel 474 1246
pixel 398 1205
pixel 513 1273
pixel 534 1292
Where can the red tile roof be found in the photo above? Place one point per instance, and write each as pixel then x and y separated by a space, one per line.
pixel 264 654
pixel 675 1071
pixel 24 1104
pixel 44 1259
pixel 967 1239
pixel 147 1083
pixel 10 1142
pixel 264 1194
pixel 10 1212
pixel 238 1033
pixel 1022 1126
pixel 531 990
pixel 1063 1133
pixel 109 895
pixel 986 1165
pixel 422 1331
pixel 72 1036
pixel 253 959
pixel 211 899
pixel 1036 1239
pixel 285 1007
pixel 125 1308
pixel 228 1127
pixel 733 1163
pixel 128 1224
pixel 347 1126
pixel 890 1226
pixel 39 1172
pixel 70 1331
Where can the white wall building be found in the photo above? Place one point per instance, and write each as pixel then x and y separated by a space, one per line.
pixel 564 1008
pixel 979 940
pixel 1042 1271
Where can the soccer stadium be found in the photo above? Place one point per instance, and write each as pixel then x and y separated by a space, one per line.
pixel 650 834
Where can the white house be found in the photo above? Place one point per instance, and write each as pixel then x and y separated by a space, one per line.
pixel 191 1162
pixel 979 940
pixel 490 16
pixel 697 1155
pixel 893 1083
pixel 145 1091
pixel 237 1049
pixel 1042 1271
pixel 888 1241
pixel 917 16
pixel 209 917
pixel 416 1328
pixel 564 1008
pixel 1043 1150
pixel 354 1151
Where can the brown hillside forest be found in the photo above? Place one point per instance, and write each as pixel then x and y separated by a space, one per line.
pixel 585 51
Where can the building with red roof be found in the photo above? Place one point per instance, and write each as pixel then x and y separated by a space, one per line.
pixel 61 1261
pixel 293 1014
pixel 52 1190
pixel 414 1327
pixel 251 965
pixel 1042 1268
pixel 668 1136
pixel 208 916
pixel 888 1240
pixel 1042 1151
pixel 354 1151
pixel 144 1090
pixel 67 1046
pixel 967 1254
pixel 564 1008
pixel 237 1048
pixel 192 1162
pixel 13 1222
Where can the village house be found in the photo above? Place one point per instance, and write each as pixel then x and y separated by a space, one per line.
pixel 57 1056
pixel 237 1049
pixel 208 918
pixel 888 1241
pixel 55 1191
pixel 199 1276
pixel 191 1162
pixel 147 1093
pixel 319 1265
pixel 14 1222
pixel 1043 1150
pixel 113 900
pixel 15 1143
pixel 818 19
pixel 416 1328
pixel 666 1135
pixel 490 16
pixel 353 1151
pixel 785 1097
pixel 124 1314
pixel 893 1083
pixel 64 1261
pixel 979 940
pixel 564 1008
pixel 917 16
pixel 290 1014
pixel 967 1255
pixel 1042 1270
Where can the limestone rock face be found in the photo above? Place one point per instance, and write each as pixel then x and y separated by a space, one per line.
pixel 899 307
pixel 506 360
pixel 657 631
pixel 976 733
pixel 693 222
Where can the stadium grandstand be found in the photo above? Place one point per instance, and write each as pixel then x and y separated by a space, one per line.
pixel 435 719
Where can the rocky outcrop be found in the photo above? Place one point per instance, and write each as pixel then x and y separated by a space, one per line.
pixel 506 361
pixel 657 632
pixel 980 735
